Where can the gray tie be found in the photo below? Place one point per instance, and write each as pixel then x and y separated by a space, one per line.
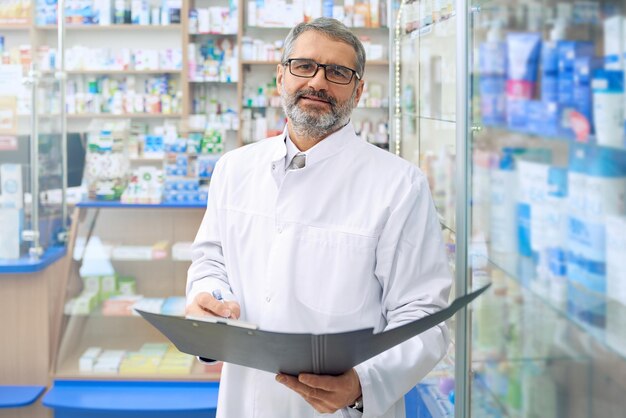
pixel 298 161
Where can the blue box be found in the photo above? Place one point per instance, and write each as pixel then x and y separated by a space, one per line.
pixel 568 51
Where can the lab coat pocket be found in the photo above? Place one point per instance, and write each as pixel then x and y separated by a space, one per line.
pixel 339 270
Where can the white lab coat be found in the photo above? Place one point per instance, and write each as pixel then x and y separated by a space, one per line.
pixel 350 241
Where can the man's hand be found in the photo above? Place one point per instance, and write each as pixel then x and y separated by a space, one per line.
pixel 326 394
pixel 204 303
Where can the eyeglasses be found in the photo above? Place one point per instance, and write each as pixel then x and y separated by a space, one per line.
pixel 307 68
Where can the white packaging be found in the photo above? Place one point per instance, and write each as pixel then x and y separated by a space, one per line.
pixel 88 359
pixel 181 251
pixel 91 284
pixel 608 107
pixel 11 185
pixel 132 252
pixel 613 47
pixel 252 13
pixel 616 283
pixel 108 285
pixel 615 251
pixel 104 11
pixel 10 225
pixel 503 220
pixel 204 21
pixel 155 16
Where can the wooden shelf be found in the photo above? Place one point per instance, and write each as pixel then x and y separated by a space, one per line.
pixel 175 27
pixel 197 81
pixel 377 62
pixel 256 62
pixel 15 26
pixel 123 116
pixel 213 34
pixel 115 72
pixel 285 28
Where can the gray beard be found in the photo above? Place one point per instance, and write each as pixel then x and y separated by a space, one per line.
pixel 311 124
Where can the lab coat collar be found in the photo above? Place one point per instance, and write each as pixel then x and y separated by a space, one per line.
pixel 327 147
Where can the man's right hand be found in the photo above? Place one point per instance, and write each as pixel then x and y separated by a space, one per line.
pixel 205 304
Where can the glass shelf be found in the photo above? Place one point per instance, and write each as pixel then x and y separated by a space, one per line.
pixel 119 205
pixel 520 269
pixel 501 131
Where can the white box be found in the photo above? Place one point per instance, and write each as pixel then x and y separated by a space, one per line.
pixel 181 251
pixel 132 252
pixel 11 185
pixel 11 227
pixel 88 359
pixel 613 47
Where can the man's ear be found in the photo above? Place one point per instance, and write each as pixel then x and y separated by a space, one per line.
pixel 359 91
pixel 280 72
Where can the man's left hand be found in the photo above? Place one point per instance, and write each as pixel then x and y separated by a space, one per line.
pixel 326 394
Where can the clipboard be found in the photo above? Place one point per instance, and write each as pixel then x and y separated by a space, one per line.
pixel 276 352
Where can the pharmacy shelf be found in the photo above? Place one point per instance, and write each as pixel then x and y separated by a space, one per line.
pixel 199 80
pixel 103 331
pixel 287 28
pixel 518 268
pixel 14 26
pixel 119 205
pixel 383 63
pixel 413 115
pixel 27 264
pixel 260 62
pixel 212 34
pixel 123 116
pixel 502 132
pixel 173 27
pixel 141 160
pixel 105 71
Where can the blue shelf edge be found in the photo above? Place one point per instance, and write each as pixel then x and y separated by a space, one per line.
pixel 117 204
pixel 31 265
pixel 132 396
pixel 15 396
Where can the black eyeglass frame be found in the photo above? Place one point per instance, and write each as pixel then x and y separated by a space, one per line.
pixel 324 66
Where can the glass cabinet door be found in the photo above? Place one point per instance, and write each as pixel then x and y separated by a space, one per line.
pixel 424 133
pixel 547 208
pixel 31 171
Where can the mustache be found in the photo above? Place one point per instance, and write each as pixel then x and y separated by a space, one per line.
pixel 318 94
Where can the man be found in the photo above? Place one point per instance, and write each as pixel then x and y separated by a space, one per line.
pixel 318 231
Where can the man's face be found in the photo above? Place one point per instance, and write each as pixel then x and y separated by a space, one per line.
pixel 315 106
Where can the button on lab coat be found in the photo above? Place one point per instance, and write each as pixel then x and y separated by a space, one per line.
pixel 350 241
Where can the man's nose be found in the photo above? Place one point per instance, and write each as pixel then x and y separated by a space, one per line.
pixel 319 82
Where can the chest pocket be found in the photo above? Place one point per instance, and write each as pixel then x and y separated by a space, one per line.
pixel 338 270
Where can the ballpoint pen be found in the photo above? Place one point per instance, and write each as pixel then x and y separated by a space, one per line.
pixel 217 294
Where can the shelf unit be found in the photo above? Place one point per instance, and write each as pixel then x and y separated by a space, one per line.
pixel 128 224
pixel 189 87
pixel 545 182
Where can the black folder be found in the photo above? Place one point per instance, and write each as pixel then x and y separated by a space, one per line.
pixel 275 352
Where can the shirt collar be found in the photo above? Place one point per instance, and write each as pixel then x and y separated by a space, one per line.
pixel 292 150
pixel 327 147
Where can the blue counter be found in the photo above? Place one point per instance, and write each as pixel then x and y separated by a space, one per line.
pixel 136 399
pixel 27 264
pixel 18 396
pixel 117 205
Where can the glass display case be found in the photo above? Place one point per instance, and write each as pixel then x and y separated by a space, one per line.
pixel 32 166
pixel 546 208
pixel 536 165
pixel 424 133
